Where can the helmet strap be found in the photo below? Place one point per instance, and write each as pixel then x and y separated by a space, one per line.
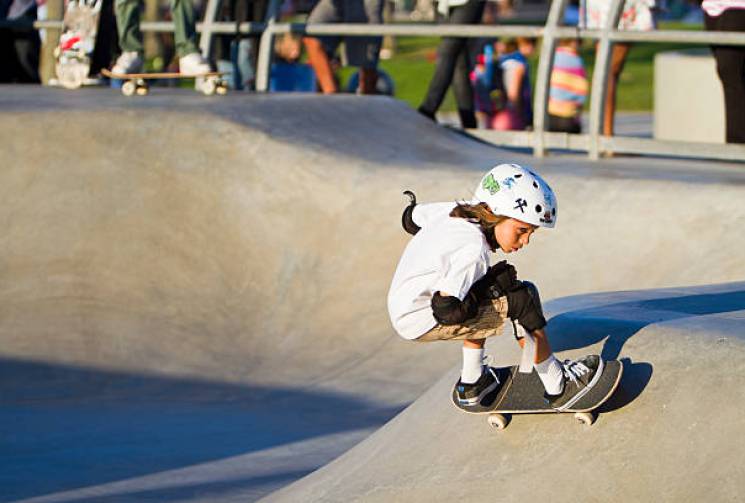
pixel 491 239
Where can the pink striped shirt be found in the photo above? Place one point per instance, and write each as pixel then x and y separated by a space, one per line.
pixel 716 7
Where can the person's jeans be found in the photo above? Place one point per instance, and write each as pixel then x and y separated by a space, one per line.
pixel 128 26
pixel 453 65
pixel 731 70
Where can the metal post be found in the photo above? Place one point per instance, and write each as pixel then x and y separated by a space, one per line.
pixel 266 48
pixel 55 12
pixel 543 76
pixel 600 78
pixel 205 40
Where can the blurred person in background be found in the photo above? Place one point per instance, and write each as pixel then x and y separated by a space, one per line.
pixel 19 48
pixel 454 63
pixel 568 88
pixel 638 15
pixel 729 15
pixel 362 52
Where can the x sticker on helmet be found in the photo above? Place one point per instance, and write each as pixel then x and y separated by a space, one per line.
pixel 521 204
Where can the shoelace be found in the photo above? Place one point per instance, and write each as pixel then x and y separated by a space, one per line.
pixel 573 370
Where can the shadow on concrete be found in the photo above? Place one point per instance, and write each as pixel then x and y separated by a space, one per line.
pixel 188 490
pixel 636 377
pixel 64 428
pixel 584 327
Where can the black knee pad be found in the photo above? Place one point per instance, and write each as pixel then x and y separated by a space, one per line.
pixel 524 305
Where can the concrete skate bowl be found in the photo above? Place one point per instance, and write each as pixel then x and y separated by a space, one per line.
pixel 668 434
pixel 193 291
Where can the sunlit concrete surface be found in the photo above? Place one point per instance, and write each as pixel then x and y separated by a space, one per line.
pixel 192 298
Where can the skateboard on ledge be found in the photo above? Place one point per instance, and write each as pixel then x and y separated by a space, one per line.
pixel 137 83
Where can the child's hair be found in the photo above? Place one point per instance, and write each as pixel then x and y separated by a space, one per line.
pixel 508 45
pixel 525 40
pixel 480 214
pixel 569 42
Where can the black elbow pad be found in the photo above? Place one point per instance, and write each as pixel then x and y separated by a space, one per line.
pixel 451 310
pixel 407 220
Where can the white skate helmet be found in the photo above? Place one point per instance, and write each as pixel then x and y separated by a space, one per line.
pixel 517 192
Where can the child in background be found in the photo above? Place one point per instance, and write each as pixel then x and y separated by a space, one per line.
pixel 444 289
pixel 568 88
pixel 288 73
pixel 516 112
pixel 485 79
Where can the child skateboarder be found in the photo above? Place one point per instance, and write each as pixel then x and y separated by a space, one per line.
pixel 443 287
pixel 191 61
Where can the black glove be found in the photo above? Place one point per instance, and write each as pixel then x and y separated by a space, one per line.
pixel 524 307
pixel 498 280
pixel 406 220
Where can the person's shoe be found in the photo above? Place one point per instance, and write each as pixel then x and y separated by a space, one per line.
pixel 427 114
pixel 472 394
pixel 579 377
pixel 193 64
pixel 128 62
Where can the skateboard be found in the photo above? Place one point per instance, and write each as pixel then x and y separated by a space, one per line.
pixel 136 83
pixel 523 394
pixel 73 53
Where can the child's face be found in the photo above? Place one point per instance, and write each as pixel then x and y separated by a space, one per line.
pixel 513 234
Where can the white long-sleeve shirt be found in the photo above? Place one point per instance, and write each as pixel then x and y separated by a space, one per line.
pixel 447 255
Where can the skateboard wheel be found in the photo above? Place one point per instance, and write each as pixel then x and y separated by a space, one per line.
pixel 222 89
pixel 209 87
pixel 142 90
pixel 497 421
pixel 586 418
pixel 129 88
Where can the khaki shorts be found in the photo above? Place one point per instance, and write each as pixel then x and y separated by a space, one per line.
pixel 488 322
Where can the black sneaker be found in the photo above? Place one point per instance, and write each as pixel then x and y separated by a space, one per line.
pixel 579 377
pixel 472 394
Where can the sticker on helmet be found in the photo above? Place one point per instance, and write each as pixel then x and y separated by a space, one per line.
pixel 547 218
pixel 490 184
pixel 521 204
pixel 508 182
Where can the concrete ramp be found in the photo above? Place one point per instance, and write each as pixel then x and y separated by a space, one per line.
pixel 671 432
pixel 192 290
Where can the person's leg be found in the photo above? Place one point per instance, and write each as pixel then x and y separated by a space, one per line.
pixel 184 22
pixel 368 80
pixel 364 52
pixel 128 25
pixel 27 47
pixel 447 54
pixel 320 63
pixel 537 351
pixel 618 58
pixel 325 11
pixel 731 70
pixel 473 358
pixel 463 90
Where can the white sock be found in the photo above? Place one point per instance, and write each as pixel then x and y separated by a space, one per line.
pixel 473 362
pixel 551 374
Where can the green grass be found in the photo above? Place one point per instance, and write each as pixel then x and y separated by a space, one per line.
pixel 413 65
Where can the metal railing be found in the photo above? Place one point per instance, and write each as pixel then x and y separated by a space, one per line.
pixel 539 140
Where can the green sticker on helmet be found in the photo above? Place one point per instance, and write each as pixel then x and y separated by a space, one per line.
pixel 490 184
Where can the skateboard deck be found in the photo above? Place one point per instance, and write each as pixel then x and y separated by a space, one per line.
pixel 136 83
pixel 77 41
pixel 523 394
